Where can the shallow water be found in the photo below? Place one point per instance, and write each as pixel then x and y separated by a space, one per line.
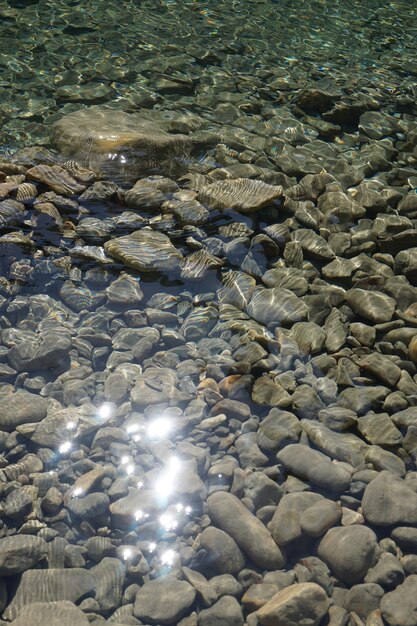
pixel 260 349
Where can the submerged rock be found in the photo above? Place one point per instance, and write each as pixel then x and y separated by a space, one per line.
pixel 240 194
pixel 249 533
pixel 302 603
pixel 164 600
pixel 145 251
pixel 119 144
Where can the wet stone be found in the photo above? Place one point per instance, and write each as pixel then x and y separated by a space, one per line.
pixel 136 145
pixel 20 553
pixel 61 613
pixel 304 603
pixel 349 552
pixel 363 599
pixel 178 596
pixel 109 576
pixel 143 196
pixel 224 612
pixel 276 306
pixel 146 251
pixel 56 178
pixel 388 500
pixel 285 525
pixel 372 305
pixel 250 534
pixel 399 607
pixel 378 429
pixel 20 408
pixel 124 290
pixel 319 517
pixel 315 467
pixel 49 349
pixel 241 194
pixel 222 551
pixel 388 572
pixel 90 506
pixel 49 586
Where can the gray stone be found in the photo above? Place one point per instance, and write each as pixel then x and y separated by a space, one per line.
pixel 399 607
pixel 388 572
pixel 20 408
pixel 405 537
pixel 146 251
pixel 20 553
pixel 49 586
pixel 379 430
pixel 250 534
pixel 388 500
pixel 285 525
pixel 222 551
pixel 278 429
pixel 276 306
pixel 302 603
pixel 90 506
pixel 372 305
pixel 109 576
pixel 62 613
pixel 363 599
pixel 226 612
pixel 319 517
pixel 315 467
pixel 50 349
pixel 163 600
pixel 349 552
pixel 345 447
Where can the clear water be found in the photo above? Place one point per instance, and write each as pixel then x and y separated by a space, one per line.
pixel 236 65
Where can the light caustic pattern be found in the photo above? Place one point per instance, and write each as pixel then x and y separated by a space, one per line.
pixel 171 512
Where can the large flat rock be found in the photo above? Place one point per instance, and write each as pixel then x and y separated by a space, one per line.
pixel 119 144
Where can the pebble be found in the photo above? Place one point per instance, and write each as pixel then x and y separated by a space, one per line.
pixel 349 552
pixel 302 603
pixel 178 597
pixel 49 586
pixel 388 500
pixel 249 533
pixel 208 322
pixel 399 607
pixel 307 463
pixel 62 613
pixel 226 611
pixel 20 553
pixel 20 408
pixel 223 554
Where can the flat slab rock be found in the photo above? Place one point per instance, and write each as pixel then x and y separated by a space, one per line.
pixel 302 603
pixel 20 553
pixel 230 515
pixel 240 194
pixel 145 251
pixel 49 586
pixel 51 613
pixel 120 144
pixel 276 306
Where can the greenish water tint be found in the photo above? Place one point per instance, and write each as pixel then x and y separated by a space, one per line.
pixel 58 56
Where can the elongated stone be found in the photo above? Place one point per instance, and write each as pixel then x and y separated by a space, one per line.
pixel 230 515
